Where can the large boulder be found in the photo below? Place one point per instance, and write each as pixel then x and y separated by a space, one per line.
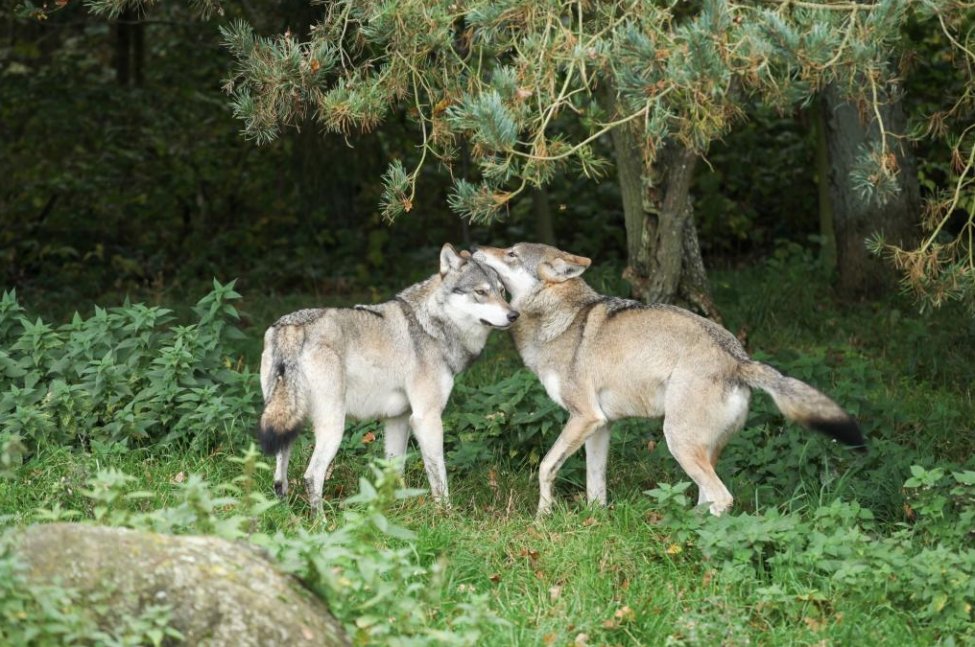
pixel 219 592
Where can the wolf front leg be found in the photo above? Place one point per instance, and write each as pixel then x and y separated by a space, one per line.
pixel 579 428
pixel 597 455
pixel 396 435
pixel 428 431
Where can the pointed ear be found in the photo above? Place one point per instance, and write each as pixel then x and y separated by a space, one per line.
pixel 450 259
pixel 563 268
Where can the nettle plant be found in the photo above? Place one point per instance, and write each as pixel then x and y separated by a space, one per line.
pixel 127 375
pixel 927 567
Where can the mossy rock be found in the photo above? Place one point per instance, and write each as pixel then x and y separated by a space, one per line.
pixel 218 592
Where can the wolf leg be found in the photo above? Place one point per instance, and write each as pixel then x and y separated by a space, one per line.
pixel 576 431
pixel 694 453
pixel 428 431
pixel 329 426
pixel 597 455
pixel 326 387
pixel 397 435
pixel 281 472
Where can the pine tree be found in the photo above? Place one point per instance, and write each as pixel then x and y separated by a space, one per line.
pixel 519 80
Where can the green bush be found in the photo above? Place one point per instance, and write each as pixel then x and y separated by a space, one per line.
pixel 839 549
pixel 126 375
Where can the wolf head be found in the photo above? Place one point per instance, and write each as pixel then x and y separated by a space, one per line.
pixel 472 291
pixel 525 268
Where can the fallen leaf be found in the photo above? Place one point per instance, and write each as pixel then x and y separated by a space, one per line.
pixel 554 592
pixel 581 640
pixel 179 478
pixel 590 521
pixel 813 623
pixel 549 639
pixel 625 614
pixel 496 577
pixel 493 479
pixel 369 437
pixel 674 549
pixel 651 445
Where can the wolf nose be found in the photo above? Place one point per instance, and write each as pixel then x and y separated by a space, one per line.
pixel 514 314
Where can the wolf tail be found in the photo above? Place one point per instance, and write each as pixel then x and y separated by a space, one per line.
pixel 802 403
pixel 285 402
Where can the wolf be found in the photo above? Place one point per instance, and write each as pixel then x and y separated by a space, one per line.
pixel 394 360
pixel 603 358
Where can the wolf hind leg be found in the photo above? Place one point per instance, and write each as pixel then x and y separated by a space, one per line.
pixel 326 383
pixel 329 428
pixel 597 456
pixel 281 471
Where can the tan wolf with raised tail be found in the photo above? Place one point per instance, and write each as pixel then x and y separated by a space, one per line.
pixel 604 358
pixel 394 360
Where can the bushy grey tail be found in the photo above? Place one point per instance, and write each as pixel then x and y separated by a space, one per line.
pixel 284 397
pixel 803 404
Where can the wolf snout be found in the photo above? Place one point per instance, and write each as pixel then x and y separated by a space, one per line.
pixel 513 316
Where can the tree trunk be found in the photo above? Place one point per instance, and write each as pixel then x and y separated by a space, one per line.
pixel 123 47
pixel 859 272
pixel 218 592
pixel 827 231
pixel 664 255
pixel 130 49
pixel 542 211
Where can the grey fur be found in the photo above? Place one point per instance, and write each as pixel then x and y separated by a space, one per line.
pixel 394 360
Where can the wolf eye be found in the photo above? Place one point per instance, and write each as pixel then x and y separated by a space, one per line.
pixel 512 254
pixel 481 293
pixel 458 291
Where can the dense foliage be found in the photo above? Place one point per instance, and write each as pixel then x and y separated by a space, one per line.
pixel 822 544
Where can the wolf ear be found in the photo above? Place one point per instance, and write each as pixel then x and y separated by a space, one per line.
pixel 450 259
pixel 563 268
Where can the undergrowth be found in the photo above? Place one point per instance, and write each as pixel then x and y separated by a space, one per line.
pixel 130 417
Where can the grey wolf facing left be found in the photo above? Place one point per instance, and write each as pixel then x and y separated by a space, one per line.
pixel 394 360
pixel 604 358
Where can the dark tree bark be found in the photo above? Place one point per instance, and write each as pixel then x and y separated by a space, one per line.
pixel 130 49
pixel 847 132
pixel 542 212
pixel 663 251
pixel 827 231
pixel 123 45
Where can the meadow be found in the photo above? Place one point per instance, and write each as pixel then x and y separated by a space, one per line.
pixel 143 416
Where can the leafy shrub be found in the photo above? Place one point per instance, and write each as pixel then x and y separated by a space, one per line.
pixel 838 547
pixel 512 417
pixel 125 375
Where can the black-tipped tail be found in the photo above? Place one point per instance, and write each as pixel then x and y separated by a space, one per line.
pixel 845 430
pixel 274 440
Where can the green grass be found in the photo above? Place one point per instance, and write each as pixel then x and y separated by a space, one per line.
pixel 642 571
